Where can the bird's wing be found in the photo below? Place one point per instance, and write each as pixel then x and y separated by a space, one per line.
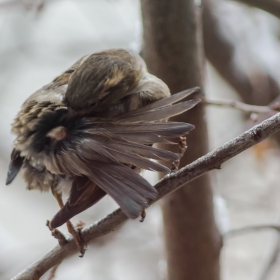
pixel 104 151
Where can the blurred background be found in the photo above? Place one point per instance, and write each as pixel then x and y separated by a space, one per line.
pixel 40 39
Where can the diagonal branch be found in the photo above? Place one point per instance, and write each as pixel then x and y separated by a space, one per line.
pixel 169 183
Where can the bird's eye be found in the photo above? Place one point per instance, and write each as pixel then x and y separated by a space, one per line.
pixel 92 104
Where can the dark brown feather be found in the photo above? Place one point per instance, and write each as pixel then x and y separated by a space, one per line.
pixel 84 194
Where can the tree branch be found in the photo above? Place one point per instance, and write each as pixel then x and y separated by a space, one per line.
pixel 53 271
pixel 249 229
pixel 241 106
pixel 169 183
pixel 265 272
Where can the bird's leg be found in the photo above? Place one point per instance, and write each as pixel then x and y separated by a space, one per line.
pixel 182 149
pixel 75 232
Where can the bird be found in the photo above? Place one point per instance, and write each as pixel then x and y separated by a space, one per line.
pixel 91 130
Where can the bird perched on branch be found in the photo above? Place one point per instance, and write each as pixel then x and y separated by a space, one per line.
pixel 91 130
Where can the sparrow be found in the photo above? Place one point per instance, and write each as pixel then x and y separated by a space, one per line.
pixel 91 130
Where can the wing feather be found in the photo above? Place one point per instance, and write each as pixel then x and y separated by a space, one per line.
pixel 101 149
pixel 163 102
pixel 160 113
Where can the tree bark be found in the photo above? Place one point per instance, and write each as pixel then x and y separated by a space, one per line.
pixel 173 51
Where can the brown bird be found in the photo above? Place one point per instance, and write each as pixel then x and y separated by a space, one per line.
pixel 90 131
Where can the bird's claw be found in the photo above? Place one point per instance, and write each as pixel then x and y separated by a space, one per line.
pixel 76 233
pixel 57 234
pixel 143 216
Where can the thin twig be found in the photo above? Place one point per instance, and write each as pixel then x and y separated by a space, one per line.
pixel 276 249
pixel 250 229
pixel 169 183
pixel 53 271
pixel 271 260
pixel 241 106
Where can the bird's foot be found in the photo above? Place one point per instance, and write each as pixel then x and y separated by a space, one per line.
pixel 143 216
pixel 57 234
pixel 182 149
pixel 76 233
pixel 80 225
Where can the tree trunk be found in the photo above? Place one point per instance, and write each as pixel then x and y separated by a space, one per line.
pixel 173 51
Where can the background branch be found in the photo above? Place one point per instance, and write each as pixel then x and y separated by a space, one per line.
pixel 240 106
pixel 249 229
pixel 264 275
pixel 169 183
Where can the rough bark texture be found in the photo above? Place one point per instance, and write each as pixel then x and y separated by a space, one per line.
pixel 173 51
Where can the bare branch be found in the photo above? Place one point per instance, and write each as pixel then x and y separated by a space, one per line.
pixel 276 248
pixel 53 271
pixel 241 106
pixel 270 6
pixel 271 260
pixel 250 229
pixel 169 183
